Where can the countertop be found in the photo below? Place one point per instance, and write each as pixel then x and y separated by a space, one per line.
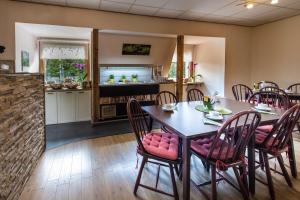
pixel 149 83
pixel 67 90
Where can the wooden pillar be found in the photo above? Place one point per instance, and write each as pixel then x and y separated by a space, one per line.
pixel 95 76
pixel 180 67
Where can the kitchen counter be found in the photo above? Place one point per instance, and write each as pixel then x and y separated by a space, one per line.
pixel 66 90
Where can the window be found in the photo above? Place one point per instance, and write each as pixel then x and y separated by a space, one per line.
pixel 173 67
pixel 64 60
pixel 58 69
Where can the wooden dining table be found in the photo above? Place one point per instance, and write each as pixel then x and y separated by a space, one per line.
pixel 188 123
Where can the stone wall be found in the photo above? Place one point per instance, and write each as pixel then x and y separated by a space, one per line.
pixel 22 130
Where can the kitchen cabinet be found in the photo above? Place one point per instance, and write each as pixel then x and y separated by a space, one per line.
pixel 51 107
pixel 83 108
pixel 67 106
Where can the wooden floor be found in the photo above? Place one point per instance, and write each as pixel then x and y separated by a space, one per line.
pixel 104 169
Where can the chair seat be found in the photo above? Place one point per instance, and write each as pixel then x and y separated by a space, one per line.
pixel 259 139
pixel 202 146
pixel 163 145
pixel 265 128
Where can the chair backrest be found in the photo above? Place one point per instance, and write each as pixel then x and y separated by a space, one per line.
pixel 165 97
pixel 276 90
pixel 282 130
pixel 195 95
pixel 295 88
pixel 263 84
pixel 137 120
pixel 230 142
pixel 272 99
pixel 241 92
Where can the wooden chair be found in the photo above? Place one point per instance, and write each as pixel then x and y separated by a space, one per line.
pixel 295 88
pixel 274 89
pixel 263 84
pixel 241 92
pixel 166 97
pixel 226 149
pixel 272 99
pixel 155 147
pixel 195 95
pixel 275 143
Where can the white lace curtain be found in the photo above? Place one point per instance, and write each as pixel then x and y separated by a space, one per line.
pixel 63 51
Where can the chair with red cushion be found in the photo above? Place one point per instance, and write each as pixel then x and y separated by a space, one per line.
pixel 195 95
pixel 155 147
pixel 277 142
pixel 241 92
pixel 226 149
pixel 272 99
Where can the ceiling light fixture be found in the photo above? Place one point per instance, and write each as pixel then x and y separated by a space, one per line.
pixel 274 2
pixel 249 5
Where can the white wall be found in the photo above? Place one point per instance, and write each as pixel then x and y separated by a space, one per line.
pixel 110 49
pixel 276 52
pixel 26 42
pixel 210 57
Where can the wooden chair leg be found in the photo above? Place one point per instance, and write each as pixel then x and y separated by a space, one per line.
pixel 243 189
pixel 138 179
pixel 284 171
pixel 175 192
pixel 261 160
pixel 269 176
pixel 213 183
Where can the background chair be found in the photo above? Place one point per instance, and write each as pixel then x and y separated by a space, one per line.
pixel 226 149
pixel 277 142
pixel 166 97
pixel 195 95
pixel 241 92
pixel 295 88
pixel 155 147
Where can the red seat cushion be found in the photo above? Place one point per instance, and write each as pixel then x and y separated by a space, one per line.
pixel 163 145
pixel 260 138
pixel 265 128
pixel 202 147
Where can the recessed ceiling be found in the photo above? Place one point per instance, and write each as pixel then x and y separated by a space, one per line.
pixel 218 11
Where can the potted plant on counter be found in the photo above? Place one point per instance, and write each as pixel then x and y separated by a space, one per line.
pixel 134 78
pixel 111 79
pixel 123 79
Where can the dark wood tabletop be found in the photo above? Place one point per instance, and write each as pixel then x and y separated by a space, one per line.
pixel 188 122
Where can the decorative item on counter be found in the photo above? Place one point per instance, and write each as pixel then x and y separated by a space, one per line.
pixel 86 84
pixel 71 85
pixel 123 79
pixel 56 86
pixel 191 80
pixel 81 74
pixel 207 102
pixel 198 78
pixel 255 87
pixel 111 79
pixel 134 78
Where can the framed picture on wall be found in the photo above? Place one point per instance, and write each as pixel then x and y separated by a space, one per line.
pixel 24 59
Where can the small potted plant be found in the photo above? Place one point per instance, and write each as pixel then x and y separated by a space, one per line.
pixel 123 79
pixel 134 78
pixel 111 78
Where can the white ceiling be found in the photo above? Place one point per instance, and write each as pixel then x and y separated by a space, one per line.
pixel 219 11
pixel 52 31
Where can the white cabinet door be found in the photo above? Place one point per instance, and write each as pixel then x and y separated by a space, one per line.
pixel 67 107
pixel 83 108
pixel 51 108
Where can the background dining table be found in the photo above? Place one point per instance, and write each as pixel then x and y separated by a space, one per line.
pixel 188 123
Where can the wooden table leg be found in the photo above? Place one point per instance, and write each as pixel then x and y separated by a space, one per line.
pixel 186 157
pixel 292 159
pixel 251 164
